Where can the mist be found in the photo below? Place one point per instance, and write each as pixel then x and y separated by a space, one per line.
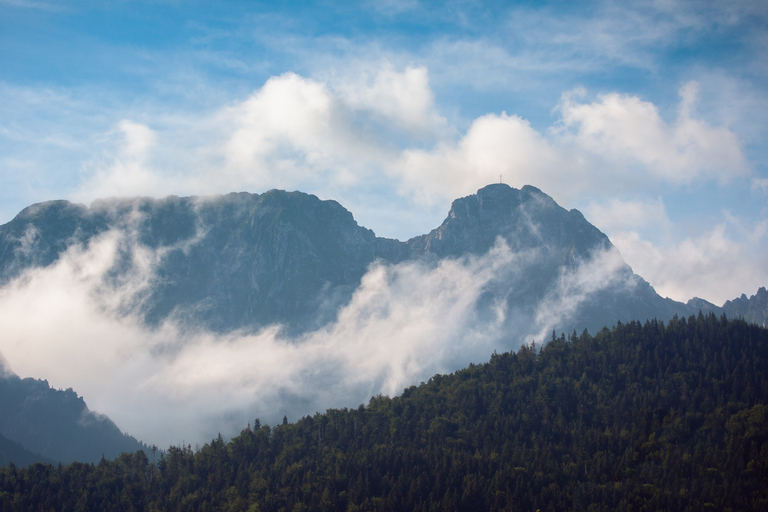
pixel 77 325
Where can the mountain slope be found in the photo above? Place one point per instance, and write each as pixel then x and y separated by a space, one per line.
pixel 227 262
pixel 575 271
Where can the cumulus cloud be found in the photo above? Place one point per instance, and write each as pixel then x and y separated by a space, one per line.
pixel 494 147
pixel 375 127
pixel 296 130
pixel 401 98
pixel 627 130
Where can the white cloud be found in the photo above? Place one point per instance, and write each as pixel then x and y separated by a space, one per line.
pixel 627 130
pixel 494 146
pixel 716 265
pixel 129 170
pixel 617 214
pixel 67 323
pixel 138 139
pixel 606 270
pixel 404 99
pixel 298 131
pixel 373 127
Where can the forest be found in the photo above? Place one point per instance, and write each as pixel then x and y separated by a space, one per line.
pixel 653 416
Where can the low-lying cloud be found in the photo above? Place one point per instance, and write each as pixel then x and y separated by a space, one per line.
pixel 76 325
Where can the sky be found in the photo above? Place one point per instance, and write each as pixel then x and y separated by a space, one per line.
pixel 650 118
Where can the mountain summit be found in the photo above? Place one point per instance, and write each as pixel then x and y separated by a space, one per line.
pixel 525 218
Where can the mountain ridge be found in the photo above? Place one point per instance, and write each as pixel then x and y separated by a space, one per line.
pixel 244 261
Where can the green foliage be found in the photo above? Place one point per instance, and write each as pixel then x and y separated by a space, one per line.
pixel 640 417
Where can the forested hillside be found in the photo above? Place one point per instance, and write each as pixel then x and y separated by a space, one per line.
pixel 647 416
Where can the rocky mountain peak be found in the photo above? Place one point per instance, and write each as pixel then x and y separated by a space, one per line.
pixel 526 218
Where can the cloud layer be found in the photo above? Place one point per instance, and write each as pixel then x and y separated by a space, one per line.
pixel 77 325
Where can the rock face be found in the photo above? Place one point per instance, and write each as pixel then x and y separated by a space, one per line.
pixel 244 261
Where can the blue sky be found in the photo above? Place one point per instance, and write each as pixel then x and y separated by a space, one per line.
pixel 649 118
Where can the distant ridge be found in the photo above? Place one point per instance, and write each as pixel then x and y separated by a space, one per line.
pixel 13 452
pixel 753 309
pixel 40 424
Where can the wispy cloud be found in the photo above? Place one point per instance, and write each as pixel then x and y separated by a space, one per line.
pixel 627 130
pixel 715 265
pixel 31 4
pixel 79 326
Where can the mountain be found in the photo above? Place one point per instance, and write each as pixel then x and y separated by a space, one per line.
pixel 240 262
pixel 229 262
pixel 54 425
pixel 644 416
pixel 575 270
pixel 243 261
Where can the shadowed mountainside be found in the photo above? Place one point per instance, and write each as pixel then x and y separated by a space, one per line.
pixel 54 425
